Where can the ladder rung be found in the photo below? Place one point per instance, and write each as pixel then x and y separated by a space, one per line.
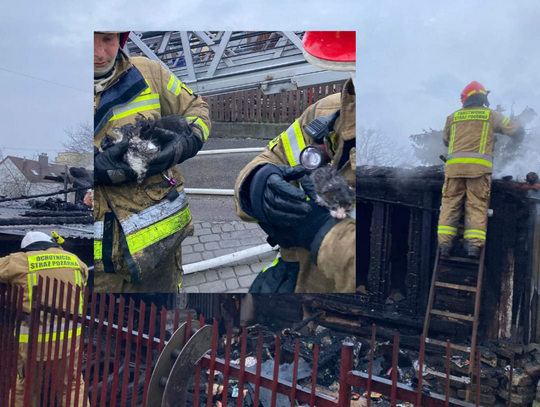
pixel 456 286
pixel 443 344
pixel 452 315
pixel 461 260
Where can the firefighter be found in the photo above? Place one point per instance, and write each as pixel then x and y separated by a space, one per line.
pixel 317 251
pixel 41 256
pixel 469 136
pixel 139 226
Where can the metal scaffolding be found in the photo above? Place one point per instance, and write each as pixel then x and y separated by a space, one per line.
pixel 215 62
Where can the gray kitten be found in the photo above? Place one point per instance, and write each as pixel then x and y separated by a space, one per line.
pixel 333 191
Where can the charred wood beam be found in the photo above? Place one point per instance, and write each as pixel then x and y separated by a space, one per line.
pixel 54 213
pixel 47 221
pixel 64 191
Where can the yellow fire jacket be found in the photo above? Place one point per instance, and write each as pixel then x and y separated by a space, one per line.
pixel 23 269
pixel 469 135
pixel 138 225
pixel 336 262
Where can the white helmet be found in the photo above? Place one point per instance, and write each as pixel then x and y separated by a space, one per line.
pixel 32 237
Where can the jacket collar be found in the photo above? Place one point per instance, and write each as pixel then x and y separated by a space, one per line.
pixel 38 246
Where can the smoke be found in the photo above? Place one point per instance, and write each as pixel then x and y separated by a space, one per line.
pixel 524 159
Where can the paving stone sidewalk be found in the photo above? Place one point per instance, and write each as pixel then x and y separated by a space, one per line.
pixel 214 239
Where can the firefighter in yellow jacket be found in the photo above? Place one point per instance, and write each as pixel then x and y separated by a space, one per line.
pixel 317 250
pixel 41 256
pixel 469 136
pixel 140 224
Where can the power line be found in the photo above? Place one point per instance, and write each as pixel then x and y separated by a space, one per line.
pixel 45 80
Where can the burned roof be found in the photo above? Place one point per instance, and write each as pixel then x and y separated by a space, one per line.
pixel 36 171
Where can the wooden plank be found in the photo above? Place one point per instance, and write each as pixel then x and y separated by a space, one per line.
pixel 456 286
pixel 304 101
pixel 278 108
pixel 507 272
pixel 452 315
pixel 272 109
pixel 259 105
pixel 253 106
pixel 228 107
pixel 290 107
pixel 462 348
pixel 297 104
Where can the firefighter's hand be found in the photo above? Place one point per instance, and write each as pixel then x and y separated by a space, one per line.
pixel 177 140
pixel 109 166
pixel 272 199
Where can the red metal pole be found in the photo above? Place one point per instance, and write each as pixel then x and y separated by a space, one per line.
pixel 16 347
pixel 32 345
pixel 295 373
pixel 62 359
pixel 447 387
pixel 138 355
pixel 97 358
pixel 162 329
pixel 117 350
pixel 149 352
pixel 89 349
pixel 212 363
pixel 57 360
pixel 258 369
pixel 370 368
pixel 314 376
pixel 108 344
pixel 73 344
pixel 49 358
pixel 243 348
pixel 345 368
pixel 421 370
pixel 395 356
pixel 276 371
pixel 227 364
pixel 8 340
pixel 127 357
pixel 86 295
pixel 198 371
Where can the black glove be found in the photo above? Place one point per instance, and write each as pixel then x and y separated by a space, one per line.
pixel 267 195
pixel 308 233
pixel 109 166
pixel 178 142
pixel 82 177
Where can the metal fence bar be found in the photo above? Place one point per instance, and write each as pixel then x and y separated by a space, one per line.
pixel 127 358
pixel 86 296
pixel 142 313
pixel 243 349
pixel 295 373
pixel 313 394
pixel 276 372
pixel 198 371
pixel 110 319
pixel 149 353
pixel 48 366
pixel 61 357
pixel 97 354
pixel 258 369
pixel 212 363
pixel 73 346
pixel 225 371
pixel 120 324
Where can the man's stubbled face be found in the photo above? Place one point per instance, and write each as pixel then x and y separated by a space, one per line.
pixel 105 49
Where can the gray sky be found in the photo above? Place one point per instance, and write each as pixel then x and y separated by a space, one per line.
pixel 414 57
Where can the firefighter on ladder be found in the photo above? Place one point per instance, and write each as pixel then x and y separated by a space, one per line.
pixel 139 226
pixel 469 136
pixel 318 252
pixel 41 255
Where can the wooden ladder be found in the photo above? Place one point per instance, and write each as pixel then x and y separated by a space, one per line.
pixel 477 290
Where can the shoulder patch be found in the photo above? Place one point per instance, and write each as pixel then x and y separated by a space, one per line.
pixel 274 142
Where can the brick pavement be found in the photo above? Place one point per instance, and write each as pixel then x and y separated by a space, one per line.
pixel 214 239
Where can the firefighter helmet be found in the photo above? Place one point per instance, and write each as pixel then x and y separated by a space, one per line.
pixel 473 88
pixel 32 237
pixel 123 36
pixel 332 50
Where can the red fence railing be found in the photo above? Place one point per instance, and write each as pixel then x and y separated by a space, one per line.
pixel 254 106
pixel 101 360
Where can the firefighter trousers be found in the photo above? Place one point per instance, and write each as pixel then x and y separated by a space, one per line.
pixel 473 194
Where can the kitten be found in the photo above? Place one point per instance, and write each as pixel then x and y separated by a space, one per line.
pixel 333 191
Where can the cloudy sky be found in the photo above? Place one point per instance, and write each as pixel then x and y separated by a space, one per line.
pixel 414 57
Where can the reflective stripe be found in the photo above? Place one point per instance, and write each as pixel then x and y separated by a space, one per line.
pixel 473 114
pixel 478 161
pixel 174 85
pixel 505 121
pixel 98 230
pixel 197 120
pixel 98 249
pixel 154 214
pixel 452 138
pixel 475 234
pixel 447 230
pixel 486 157
pixel 276 260
pixel 483 139
pixel 23 337
pixel 140 104
pixel 293 142
pixel 472 92
pixel 158 231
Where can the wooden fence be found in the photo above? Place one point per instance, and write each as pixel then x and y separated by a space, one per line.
pixel 255 107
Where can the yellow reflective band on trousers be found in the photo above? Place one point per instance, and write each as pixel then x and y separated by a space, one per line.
pixel 276 261
pixel 158 231
pixel 447 230
pixel 478 161
pixel 140 104
pixel 293 143
pixel 23 337
pixel 474 234
pixel 98 249
pixel 198 121
pixel 174 85
pixel 52 261
pixel 483 139
pixel 475 114
pixel 452 138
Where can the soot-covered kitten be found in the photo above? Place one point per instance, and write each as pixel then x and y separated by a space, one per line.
pixel 333 191
pixel 143 147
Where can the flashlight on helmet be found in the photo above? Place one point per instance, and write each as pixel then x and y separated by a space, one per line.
pixel 313 157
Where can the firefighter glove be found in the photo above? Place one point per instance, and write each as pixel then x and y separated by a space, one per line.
pixel 270 198
pixel 110 167
pixel 177 140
